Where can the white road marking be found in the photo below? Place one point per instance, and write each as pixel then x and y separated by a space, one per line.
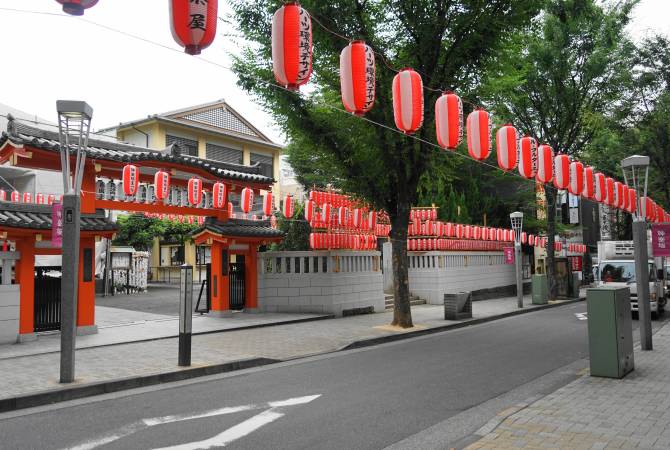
pixel 581 316
pixel 271 414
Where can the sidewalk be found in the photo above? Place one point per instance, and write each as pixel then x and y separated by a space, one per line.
pixel 597 413
pixel 27 373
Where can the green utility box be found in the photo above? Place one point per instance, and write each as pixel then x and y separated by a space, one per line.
pixel 540 289
pixel 610 332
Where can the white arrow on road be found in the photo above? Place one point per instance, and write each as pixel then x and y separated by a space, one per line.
pixel 582 316
pixel 272 411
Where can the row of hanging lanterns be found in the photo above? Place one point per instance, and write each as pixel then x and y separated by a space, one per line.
pixel 342 241
pixel 27 197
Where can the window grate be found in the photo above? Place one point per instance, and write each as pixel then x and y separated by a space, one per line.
pixel 188 146
pixel 223 154
pixel 265 162
pixel 221 118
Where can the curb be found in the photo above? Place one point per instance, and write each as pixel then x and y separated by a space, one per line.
pixel 410 334
pixel 106 387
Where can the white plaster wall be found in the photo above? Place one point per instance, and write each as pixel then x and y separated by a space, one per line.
pixel 9 313
pixel 352 280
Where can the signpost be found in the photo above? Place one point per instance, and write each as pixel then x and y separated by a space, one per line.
pixel 660 239
pixel 509 255
pixel 57 225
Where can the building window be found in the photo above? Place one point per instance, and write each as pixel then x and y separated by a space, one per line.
pixel 188 146
pixel 266 163
pixel 177 256
pixel 223 154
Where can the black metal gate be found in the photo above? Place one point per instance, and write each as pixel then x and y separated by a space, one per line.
pixel 236 281
pixel 47 299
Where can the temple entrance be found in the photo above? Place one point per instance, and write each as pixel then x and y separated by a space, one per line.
pixel 237 286
pixel 47 298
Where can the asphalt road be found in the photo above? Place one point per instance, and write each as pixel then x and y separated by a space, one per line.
pixel 362 399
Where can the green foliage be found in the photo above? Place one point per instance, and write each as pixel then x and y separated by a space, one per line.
pixel 139 231
pixel 297 231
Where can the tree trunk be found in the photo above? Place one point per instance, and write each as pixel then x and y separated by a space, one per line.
pixel 402 313
pixel 550 195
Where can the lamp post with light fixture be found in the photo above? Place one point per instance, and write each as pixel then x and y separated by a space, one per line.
pixel 517 225
pixel 74 123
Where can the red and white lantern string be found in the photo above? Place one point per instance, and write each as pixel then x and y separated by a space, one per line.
pixel 506 147
pixel 600 188
pixel 194 23
pixel 609 183
pixel 589 186
pixel 268 204
pixel 561 172
pixel 292 46
pixel 247 200
pixel 194 191
pixel 527 157
pixel 130 178
pixel 576 186
pixel 357 77
pixel 408 101
pixel 161 184
pixel 309 210
pixel 479 134
pixel 288 206
pixel 219 195
pixel 545 164
pixel 325 213
pixel 449 121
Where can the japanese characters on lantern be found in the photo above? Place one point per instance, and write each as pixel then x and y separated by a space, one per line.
pixel 161 184
pixel 292 46
pixel 219 195
pixel 130 176
pixel 527 157
pixel 194 191
pixel 194 23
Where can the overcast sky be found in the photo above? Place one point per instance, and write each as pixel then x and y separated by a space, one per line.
pixel 124 78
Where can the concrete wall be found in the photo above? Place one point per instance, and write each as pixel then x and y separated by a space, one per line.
pixel 432 274
pixel 9 313
pixel 334 282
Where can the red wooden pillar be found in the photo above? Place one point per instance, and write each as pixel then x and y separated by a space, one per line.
pixel 219 281
pixel 251 280
pixel 88 189
pixel 86 290
pixel 25 276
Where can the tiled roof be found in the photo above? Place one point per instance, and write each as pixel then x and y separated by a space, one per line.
pixel 240 228
pixel 21 134
pixel 38 217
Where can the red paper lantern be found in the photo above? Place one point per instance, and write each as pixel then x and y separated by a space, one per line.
pixel 247 200
pixel 39 199
pixel 506 147
pixel 76 7
pixel 3 195
pixel 292 45
pixel 562 172
pixel 309 210
pixel 589 187
pixel 619 195
pixel 449 120
pixel 527 157
pixel 288 206
pixel 576 186
pixel 194 191
pixel 130 178
pixel 358 218
pixel 479 134
pixel 632 200
pixel 467 232
pixel 477 233
pixel 325 213
pixel 50 199
pixel 268 204
pixel 372 220
pixel 524 238
pixel 609 183
pixel 459 231
pixel 545 164
pixel 357 77
pixel 408 101
pixel 600 188
pixel 219 195
pixel 449 229
pixel 27 197
pixel 161 184
pixel 230 209
pixel 194 23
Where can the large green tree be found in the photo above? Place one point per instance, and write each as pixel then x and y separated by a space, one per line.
pixel 563 78
pixel 449 42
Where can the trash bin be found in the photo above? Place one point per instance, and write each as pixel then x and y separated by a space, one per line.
pixel 610 332
pixel 458 306
pixel 540 289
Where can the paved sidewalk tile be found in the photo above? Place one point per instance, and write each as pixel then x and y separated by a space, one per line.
pixel 598 413
pixel 25 372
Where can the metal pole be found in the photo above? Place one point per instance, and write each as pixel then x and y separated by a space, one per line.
pixel 642 282
pixel 185 314
pixel 69 284
pixel 519 280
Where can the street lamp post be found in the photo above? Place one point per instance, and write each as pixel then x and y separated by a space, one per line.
pixel 74 122
pixel 635 172
pixel 517 225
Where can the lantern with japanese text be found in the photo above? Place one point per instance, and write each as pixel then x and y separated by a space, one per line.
pixel 309 210
pixel 161 184
pixel 130 179
pixel 194 191
pixel 479 134
pixel 408 101
pixel 561 171
pixel 449 120
pixel 576 186
pixel 247 200
pixel 545 164
pixel 589 186
pixel 268 204
pixel 292 45
pixel 527 157
pixel 600 188
pixel 219 195
pixel 507 147
pixel 288 206
pixel 76 7
pixel 357 77
pixel 194 23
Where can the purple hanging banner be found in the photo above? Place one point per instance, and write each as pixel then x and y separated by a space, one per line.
pixel 660 239
pixel 509 255
pixel 57 225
